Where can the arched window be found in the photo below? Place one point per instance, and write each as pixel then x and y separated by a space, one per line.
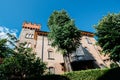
pixel 29 45
pixel 25 45
pixel 32 36
pixel 27 35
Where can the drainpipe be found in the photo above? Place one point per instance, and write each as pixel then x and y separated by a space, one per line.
pixel 42 47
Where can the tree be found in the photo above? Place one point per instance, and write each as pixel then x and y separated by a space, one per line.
pixel 5 49
pixel 108 34
pixel 22 64
pixel 63 34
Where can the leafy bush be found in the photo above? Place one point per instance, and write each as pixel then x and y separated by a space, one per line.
pixel 22 65
pixel 94 74
pixel 86 74
pixel 114 65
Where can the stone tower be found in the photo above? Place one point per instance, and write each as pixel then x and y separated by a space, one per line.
pixel 29 34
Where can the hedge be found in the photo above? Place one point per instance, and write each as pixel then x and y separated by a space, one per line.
pixel 95 74
pixel 86 74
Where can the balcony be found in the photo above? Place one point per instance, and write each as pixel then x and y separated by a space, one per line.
pixel 81 54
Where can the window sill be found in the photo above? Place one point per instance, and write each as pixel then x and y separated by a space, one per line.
pixel 28 38
pixel 51 58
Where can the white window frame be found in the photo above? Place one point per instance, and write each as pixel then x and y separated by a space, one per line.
pixel 50 55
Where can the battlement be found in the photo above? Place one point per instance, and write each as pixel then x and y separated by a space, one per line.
pixel 30 25
pixel 85 33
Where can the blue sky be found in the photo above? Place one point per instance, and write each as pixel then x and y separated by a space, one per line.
pixel 86 13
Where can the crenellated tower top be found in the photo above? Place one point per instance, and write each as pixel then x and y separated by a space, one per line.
pixel 30 25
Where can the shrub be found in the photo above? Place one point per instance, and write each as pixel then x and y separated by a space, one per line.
pixel 92 74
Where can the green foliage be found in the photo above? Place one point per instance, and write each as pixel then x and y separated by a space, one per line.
pixel 5 51
pixel 94 74
pixel 85 74
pixel 6 45
pixel 114 65
pixel 63 32
pixel 108 33
pixel 22 64
pixel 9 67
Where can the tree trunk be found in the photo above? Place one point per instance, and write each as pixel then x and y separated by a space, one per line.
pixel 67 63
pixel 1 60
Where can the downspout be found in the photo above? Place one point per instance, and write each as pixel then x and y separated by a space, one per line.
pixel 42 47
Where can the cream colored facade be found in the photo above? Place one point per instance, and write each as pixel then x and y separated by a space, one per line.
pixel 87 56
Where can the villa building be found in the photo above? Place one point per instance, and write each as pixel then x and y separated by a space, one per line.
pixel 87 56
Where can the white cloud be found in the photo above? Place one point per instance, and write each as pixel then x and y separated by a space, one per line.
pixel 5 30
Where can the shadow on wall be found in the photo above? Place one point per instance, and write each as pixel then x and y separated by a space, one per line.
pixel 90 56
pixel 112 74
pixel 83 60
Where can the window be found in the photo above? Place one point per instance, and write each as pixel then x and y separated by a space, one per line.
pixel 32 36
pixel 27 35
pixel 28 45
pixel 50 55
pixel 51 70
pixel 88 40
